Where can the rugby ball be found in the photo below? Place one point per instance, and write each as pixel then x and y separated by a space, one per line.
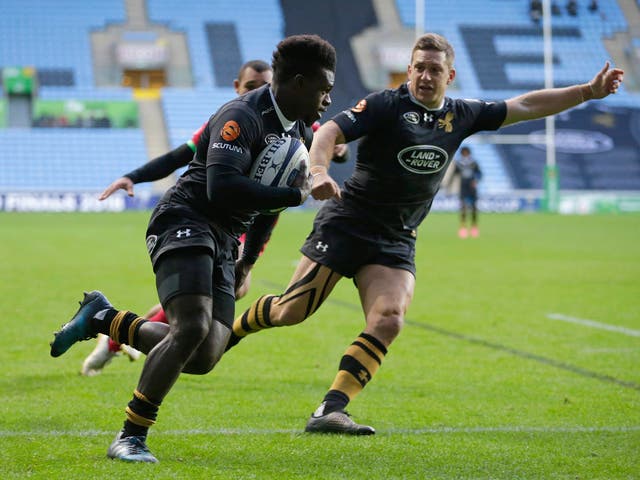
pixel 283 163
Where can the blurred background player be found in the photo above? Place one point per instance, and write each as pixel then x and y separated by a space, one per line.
pixel 468 171
pixel 252 74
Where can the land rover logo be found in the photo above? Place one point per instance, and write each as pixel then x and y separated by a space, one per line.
pixel 412 117
pixel 423 159
pixel 270 138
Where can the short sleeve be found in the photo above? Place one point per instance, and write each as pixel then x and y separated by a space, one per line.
pixel 367 115
pixel 233 132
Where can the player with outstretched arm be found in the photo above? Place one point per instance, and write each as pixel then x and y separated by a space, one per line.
pixel 368 230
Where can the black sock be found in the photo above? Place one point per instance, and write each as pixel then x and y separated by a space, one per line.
pixel 121 326
pixel 141 414
pixel 335 400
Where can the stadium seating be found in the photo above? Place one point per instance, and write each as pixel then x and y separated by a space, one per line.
pixel 69 160
pixel 186 109
pixel 54 35
pixel 498 54
pixel 259 27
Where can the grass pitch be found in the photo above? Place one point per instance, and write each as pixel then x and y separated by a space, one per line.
pixel 519 360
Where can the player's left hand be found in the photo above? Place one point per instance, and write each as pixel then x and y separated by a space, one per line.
pixel 242 269
pixel 123 183
pixel 340 153
pixel 305 188
pixel 607 81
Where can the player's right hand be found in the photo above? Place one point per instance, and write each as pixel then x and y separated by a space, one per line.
pixel 324 187
pixel 123 183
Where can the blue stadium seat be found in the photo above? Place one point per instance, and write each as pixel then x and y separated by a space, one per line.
pixel 186 110
pixel 259 26
pixel 67 159
pixel 54 35
pixel 499 55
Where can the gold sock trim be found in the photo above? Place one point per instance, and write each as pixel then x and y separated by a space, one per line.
pixel 133 417
pixel 371 347
pixel 141 396
pixel 260 324
pixel 114 328
pixel 132 329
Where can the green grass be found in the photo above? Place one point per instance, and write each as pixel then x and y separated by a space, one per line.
pixel 480 384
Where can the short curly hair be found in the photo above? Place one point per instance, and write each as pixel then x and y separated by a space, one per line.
pixel 302 54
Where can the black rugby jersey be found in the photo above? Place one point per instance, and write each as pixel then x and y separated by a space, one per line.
pixel 233 138
pixel 405 151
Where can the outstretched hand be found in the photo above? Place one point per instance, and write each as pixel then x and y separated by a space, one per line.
pixel 606 82
pixel 242 269
pixel 123 183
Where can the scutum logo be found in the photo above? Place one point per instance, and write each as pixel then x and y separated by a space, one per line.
pixel 423 159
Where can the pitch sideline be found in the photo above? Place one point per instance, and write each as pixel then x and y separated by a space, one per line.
pixel 392 431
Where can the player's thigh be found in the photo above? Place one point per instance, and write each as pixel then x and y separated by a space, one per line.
pixel 385 294
pixel 184 271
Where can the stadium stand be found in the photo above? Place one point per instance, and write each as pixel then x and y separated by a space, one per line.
pixel 54 36
pixel 59 159
pixel 498 51
pixel 46 159
pixel 338 22
pixel 499 55
pixel 186 109
pixel 249 29
pixel 259 27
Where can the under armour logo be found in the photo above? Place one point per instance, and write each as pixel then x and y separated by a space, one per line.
pixel 428 117
pixel 183 233
pixel 322 246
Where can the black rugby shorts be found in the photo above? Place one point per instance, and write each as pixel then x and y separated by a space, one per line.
pixel 189 257
pixel 345 244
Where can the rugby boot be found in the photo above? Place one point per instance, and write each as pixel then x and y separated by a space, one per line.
pixel 337 422
pixel 130 449
pixel 98 358
pixel 79 327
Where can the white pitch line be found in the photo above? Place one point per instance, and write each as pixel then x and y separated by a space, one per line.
pixel 393 431
pixel 592 323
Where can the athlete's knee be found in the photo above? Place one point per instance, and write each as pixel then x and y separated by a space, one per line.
pixel 191 330
pixel 200 364
pixel 209 352
pixel 190 319
pixel 386 322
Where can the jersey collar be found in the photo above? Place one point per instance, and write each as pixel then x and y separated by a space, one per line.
pixel 286 123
